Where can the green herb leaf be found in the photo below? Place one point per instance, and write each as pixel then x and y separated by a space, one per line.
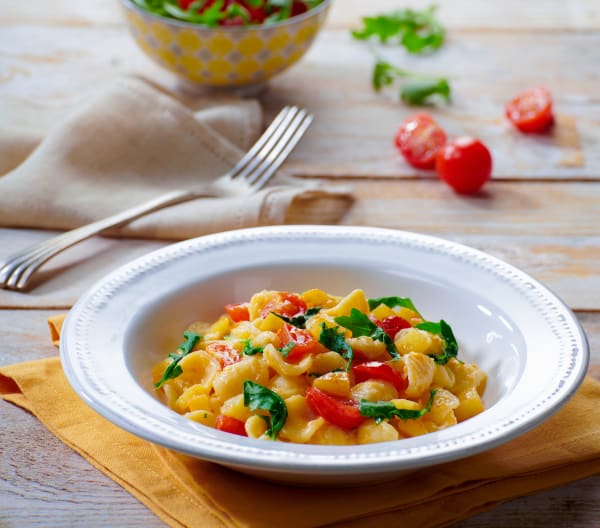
pixel 417 31
pixel 392 302
pixel 385 410
pixel 250 350
pixel 450 346
pixel 174 369
pixel 360 325
pixel 420 91
pixel 333 340
pixel 258 397
pixel 299 321
pixel 285 350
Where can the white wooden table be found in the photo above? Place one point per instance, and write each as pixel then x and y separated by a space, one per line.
pixel 541 212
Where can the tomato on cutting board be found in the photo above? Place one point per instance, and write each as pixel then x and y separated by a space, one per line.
pixel 465 164
pixel 531 111
pixel 419 139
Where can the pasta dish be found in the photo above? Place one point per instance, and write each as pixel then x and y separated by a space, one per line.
pixel 317 368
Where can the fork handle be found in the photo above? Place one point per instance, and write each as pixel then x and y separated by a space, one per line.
pixel 58 244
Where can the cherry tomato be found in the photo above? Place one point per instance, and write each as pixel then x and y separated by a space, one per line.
pixel 392 325
pixel 230 425
pixel 238 312
pixel 304 342
pixel 225 353
pixel 344 414
pixel 288 304
pixel 419 140
pixel 381 371
pixel 531 111
pixel 298 8
pixel 465 164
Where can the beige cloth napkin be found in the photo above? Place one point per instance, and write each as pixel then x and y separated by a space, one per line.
pixel 133 142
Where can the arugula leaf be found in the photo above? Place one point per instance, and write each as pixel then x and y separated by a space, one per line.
pixel 417 31
pixel 392 302
pixel 333 340
pixel 285 350
pixel 418 89
pixel 360 325
pixel 258 397
pixel 450 348
pixel 385 410
pixel 417 92
pixel 250 350
pixel 299 321
pixel 174 369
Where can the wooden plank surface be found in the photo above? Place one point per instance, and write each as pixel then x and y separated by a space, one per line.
pixel 352 135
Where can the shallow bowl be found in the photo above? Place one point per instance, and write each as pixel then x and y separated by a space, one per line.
pixel 224 57
pixel 520 333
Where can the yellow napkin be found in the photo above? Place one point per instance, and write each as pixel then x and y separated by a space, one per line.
pixel 131 142
pixel 185 492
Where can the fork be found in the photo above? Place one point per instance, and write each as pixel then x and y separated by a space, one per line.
pixel 248 176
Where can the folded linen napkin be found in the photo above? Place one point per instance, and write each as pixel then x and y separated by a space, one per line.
pixel 185 492
pixel 131 143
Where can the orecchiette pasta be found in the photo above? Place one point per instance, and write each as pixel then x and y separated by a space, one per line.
pixel 321 369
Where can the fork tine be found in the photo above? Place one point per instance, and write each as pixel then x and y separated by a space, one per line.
pixel 281 119
pixel 258 154
pixel 268 171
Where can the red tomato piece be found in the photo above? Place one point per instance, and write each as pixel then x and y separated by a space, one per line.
pixel 419 140
pixel 465 164
pixel 531 111
pixel 238 312
pixel 230 425
pixel 392 325
pixel 304 342
pixel 381 371
pixel 298 8
pixel 343 413
pixel 287 304
pixel 225 353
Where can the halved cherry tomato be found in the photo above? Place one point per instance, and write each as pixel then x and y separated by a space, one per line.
pixel 230 425
pixel 288 304
pixel 465 164
pixel 298 8
pixel 381 371
pixel 304 342
pixel 419 140
pixel 531 111
pixel 343 413
pixel 392 325
pixel 238 312
pixel 225 353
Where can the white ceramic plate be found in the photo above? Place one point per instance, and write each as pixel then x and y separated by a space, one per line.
pixel 521 334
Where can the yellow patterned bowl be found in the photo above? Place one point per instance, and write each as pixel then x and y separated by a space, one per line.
pixel 224 56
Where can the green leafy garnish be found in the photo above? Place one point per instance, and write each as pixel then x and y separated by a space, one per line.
pixel 333 340
pixel 250 350
pixel 258 397
pixel 213 14
pixel 285 350
pixel 417 31
pixel 360 325
pixel 419 89
pixel 174 369
pixel 299 321
pixel 392 302
pixel 385 410
pixel 450 346
pixel 417 92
